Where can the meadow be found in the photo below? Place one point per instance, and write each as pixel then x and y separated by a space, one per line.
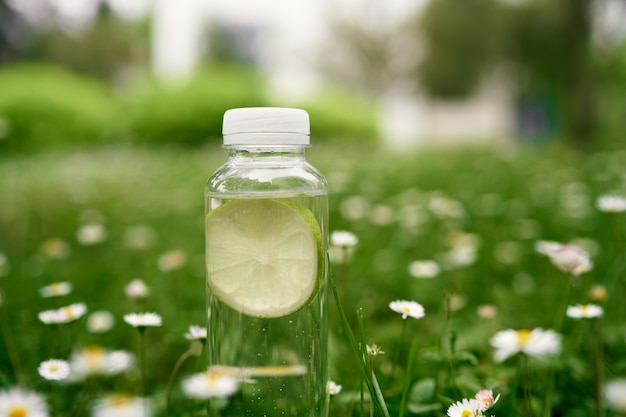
pixel 486 239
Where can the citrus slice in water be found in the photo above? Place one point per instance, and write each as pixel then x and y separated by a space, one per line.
pixel 263 256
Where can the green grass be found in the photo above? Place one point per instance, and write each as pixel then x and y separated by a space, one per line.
pixel 506 197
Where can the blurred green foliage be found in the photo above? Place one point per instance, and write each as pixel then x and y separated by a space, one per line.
pixel 43 106
pixel 341 115
pixel 191 112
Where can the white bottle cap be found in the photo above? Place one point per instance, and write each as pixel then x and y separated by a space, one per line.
pixel 266 126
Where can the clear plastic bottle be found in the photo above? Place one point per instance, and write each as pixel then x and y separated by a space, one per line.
pixel 266 244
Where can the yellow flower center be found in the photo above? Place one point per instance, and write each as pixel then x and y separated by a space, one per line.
pixel 467 413
pixel 406 309
pixel 120 400
pixel 53 367
pixel 584 309
pixel 69 312
pixel 523 336
pixel 17 411
pixel 55 289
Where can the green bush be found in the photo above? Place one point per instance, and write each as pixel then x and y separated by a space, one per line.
pixel 342 115
pixel 191 113
pixel 43 106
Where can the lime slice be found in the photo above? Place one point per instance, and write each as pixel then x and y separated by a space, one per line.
pixel 263 256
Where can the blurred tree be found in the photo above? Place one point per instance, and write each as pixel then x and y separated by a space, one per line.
pixel 12 33
pixel 545 45
pixel 368 50
pixel 459 40
pixel 104 49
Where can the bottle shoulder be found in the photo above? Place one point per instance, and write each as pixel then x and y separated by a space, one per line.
pixel 237 178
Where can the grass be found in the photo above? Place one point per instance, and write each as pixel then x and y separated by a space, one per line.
pixel 403 207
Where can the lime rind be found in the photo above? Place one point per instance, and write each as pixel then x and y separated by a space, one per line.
pixel 264 256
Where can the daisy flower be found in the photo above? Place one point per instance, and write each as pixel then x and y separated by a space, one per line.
pixel 407 308
pixel 56 289
pixel 19 402
pixel 615 394
pixel 586 311
pixel 71 312
pixel 485 398
pixel 342 244
pixel 172 260
pixel 64 314
pixel 121 405
pixel 137 288
pixel 343 238
pixel 611 203
pixel 465 408
pixel 598 292
pixel 570 258
pixel 54 369
pixel 424 269
pixel 333 388
pixel 100 321
pixel 91 234
pixel 96 360
pixel 143 320
pixel 215 383
pixel 487 311
pixel 536 342
pixel 196 333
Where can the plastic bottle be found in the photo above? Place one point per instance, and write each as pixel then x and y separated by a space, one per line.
pixel 267 316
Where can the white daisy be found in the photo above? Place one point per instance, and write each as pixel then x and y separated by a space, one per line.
pixel 56 289
pixel 64 314
pixel 121 405
pixel 137 288
pixel 333 388
pixel 570 258
pixel 586 311
pixel 19 402
pixel 96 360
pixel 342 244
pixel 119 361
pixel 196 333
pixel 142 320
pixel 49 317
pixel 615 394
pixel 611 203
pixel 211 384
pixel 54 369
pixel 487 311
pixel 424 269
pixel 536 342
pixel 91 234
pixel 465 408
pixel 343 238
pixel 71 312
pixel 407 308
pixel 172 260
pixel 100 321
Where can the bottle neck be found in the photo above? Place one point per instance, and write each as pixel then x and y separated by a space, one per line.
pixel 265 153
